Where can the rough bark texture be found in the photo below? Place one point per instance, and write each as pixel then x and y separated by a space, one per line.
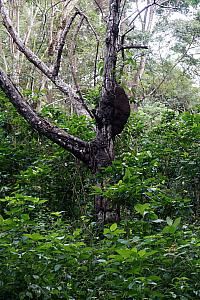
pixel 104 152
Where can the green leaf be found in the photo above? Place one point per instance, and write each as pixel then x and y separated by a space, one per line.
pixel 142 253
pixel 97 190
pixel 35 236
pixel 57 267
pixel 25 217
pixel 125 253
pixel 169 221
pixel 142 208
pixel 1 219
pixel 113 227
pixel 177 222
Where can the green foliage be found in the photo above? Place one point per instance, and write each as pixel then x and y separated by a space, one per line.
pixel 43 257
pixel 161 165
pixel 152 254
pixel 32 165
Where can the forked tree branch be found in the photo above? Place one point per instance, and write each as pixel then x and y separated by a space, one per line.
pixel 75 145
pixel 34 59
pixel 131 25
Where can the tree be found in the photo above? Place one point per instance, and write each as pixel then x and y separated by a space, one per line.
pixel 113 109
pixel 99 152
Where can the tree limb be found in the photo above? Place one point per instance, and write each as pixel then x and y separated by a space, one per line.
pixel 34 59
pixel 137 15
pixel 101 11
pixel 75 145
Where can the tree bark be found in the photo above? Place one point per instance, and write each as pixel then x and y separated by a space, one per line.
pixel 103 149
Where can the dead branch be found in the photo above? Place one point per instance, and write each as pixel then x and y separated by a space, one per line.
pixel 101 11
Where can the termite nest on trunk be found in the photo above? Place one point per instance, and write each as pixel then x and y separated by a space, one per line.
pixel 114 110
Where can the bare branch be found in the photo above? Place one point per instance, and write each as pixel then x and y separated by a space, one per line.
pixel 97 41
pixel 75 145
pixel 122 47
pixel 34 59
pixel 132 47
pixel 100 9
pixel 27 52
pixel 73 66
pixel 137 15
pixel 122 10
pixel 140 17
pixel 61 44
pixel 55 4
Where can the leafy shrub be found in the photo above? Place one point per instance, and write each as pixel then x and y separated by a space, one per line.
pixel 44 257
pixel 162 167
pixel 33 165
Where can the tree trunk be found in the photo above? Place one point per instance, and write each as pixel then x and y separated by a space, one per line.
pixel 102 155
pixel 103 146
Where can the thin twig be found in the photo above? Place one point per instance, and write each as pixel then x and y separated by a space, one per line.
pixel 97 41
pixel 101 11
pixel 55 4
pixel 137 15
pixel 172 68
pixel 61 44
pixel 132 47
pixel 122 11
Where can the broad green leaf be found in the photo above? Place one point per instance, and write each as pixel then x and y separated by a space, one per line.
pixel 169 221
pixel 142 208
pixel 125 253
pixel 142 253
pixel 113 227
pixel 35 236
pixel 177 222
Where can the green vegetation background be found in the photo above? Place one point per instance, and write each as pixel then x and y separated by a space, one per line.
pixel 50 246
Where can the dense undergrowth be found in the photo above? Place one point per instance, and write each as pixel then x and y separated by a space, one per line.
pixel 50 246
